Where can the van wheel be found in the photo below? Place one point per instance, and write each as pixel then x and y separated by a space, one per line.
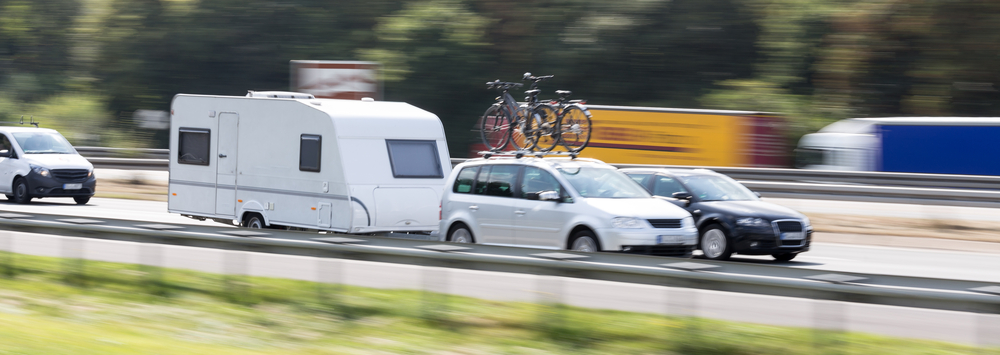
pixel 460 234
pixel 21 194
pixel 253 221
pixel 715 243
pixel 81 200
pixel 585 241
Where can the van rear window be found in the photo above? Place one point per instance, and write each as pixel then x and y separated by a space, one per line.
pixel 414 158
pixel 193 146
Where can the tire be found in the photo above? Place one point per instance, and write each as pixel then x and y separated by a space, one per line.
pixel 22 192
pixel 495 128
pixel 545 120
pixel 585 241
pixel 461 234
pixel 574 128
pixel 81 200
pixel 523 134
pixel 784 256
pixel 254 221
pixel 715 243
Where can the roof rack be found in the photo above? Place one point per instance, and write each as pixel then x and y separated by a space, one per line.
pixel 21 122
pixel 518 154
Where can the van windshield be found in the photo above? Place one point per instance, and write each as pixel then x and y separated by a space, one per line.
pixel 602 183
pixel 43 143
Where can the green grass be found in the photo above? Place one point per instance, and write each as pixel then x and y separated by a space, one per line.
pixel 125 309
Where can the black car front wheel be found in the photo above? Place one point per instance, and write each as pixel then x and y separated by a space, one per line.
pixel 715 244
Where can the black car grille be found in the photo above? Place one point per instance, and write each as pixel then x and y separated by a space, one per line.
pixel 789 226
pixel 70 174
pixel 665 223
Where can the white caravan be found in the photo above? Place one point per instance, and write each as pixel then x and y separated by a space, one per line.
pixel 290 160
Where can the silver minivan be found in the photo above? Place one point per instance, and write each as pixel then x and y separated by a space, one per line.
pixel 560 203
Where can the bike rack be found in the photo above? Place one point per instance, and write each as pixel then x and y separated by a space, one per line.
pixel 518 154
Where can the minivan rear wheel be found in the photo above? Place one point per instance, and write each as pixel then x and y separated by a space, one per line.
pixel 460 234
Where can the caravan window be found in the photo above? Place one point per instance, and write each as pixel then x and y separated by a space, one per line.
pixel 309 152
pixel 414 159
pixel 192 146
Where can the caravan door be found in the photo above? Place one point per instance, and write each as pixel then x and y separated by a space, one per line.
pixel 225 180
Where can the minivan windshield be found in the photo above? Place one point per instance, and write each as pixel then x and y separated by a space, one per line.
pixel 717 188
pixel 602 183
pixel 43 143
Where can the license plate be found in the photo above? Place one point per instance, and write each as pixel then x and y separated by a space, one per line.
pixel 660 239
pixel 791 236
pixel 72 186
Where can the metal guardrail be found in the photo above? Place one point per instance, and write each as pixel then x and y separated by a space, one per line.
pixel 966 296
pixel 941 189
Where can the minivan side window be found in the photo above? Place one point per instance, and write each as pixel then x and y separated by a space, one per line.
pixel 193 146
pixel 466 178
pixel 497 180
pixel 537 180
pixel 6 150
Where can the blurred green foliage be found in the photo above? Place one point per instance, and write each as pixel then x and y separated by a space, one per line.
pixel 814 60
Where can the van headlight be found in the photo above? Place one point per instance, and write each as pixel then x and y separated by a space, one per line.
pixel 627 223
pixel 752 222
pixel 39 170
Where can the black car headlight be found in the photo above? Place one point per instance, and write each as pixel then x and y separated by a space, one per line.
pixel 753 222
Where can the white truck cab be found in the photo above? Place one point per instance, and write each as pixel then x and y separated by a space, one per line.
pixel 40 162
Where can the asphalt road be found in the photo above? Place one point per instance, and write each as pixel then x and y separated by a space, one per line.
pixel 915 323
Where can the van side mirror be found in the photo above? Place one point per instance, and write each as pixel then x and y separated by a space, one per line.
pixel 5 153
pixel 686 196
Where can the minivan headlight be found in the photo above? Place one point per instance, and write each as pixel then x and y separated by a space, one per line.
pixel 752 222
pixel 40 170
pixel 806 223
pixel 627 222
pixel 687 222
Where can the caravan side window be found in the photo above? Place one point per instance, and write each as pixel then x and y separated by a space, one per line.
pixel 192 146
pixel 309 152
pixel 414 158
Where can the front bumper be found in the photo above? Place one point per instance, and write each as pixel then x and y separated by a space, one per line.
pixel 55 185
pixel 767 244
pixel 650 241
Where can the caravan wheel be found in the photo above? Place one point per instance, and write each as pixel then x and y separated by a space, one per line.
pixel 253 221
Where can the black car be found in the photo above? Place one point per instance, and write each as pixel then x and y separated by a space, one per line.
pixel 730 217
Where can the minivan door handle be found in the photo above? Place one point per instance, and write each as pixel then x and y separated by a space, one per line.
pixel 474 207
pixel 520 212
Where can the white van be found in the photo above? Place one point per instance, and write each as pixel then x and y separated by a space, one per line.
pixel 290 160
pixel 40 162
pixel 560 203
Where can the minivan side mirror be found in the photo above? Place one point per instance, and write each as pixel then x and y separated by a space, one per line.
pixel 549 196
pixel 5 153
pixel 757 193
pixel 686 196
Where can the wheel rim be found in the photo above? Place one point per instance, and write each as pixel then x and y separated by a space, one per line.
pixel 255 223
pixel 461 235
pixel 713 244
pixel 584 244
pixel 20 191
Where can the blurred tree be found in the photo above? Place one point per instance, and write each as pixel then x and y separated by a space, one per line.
pixel 35 44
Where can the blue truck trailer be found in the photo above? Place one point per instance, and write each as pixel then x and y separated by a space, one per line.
pixel 933 145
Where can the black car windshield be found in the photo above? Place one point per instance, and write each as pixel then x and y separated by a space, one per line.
pixel 717 188
pixel 602 183
pixel 43 143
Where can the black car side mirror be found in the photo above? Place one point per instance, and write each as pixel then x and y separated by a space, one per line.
pixel 686 196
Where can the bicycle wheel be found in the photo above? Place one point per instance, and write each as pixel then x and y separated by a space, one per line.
pixel 545 120
pixel 574 128
pixel 495 128
pixel 523 135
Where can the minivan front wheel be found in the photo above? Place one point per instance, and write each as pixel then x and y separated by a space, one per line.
pixel 585 241
pixel 21 194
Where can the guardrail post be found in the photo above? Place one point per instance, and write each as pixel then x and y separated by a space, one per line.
pixel 552 305
pixel 237 267
pixel 682 300
pixel 988 320
pixel 330 274
pixel 830 313
pixel 151 263
pixel 435 285
pixel 7 246
pixel 74 263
